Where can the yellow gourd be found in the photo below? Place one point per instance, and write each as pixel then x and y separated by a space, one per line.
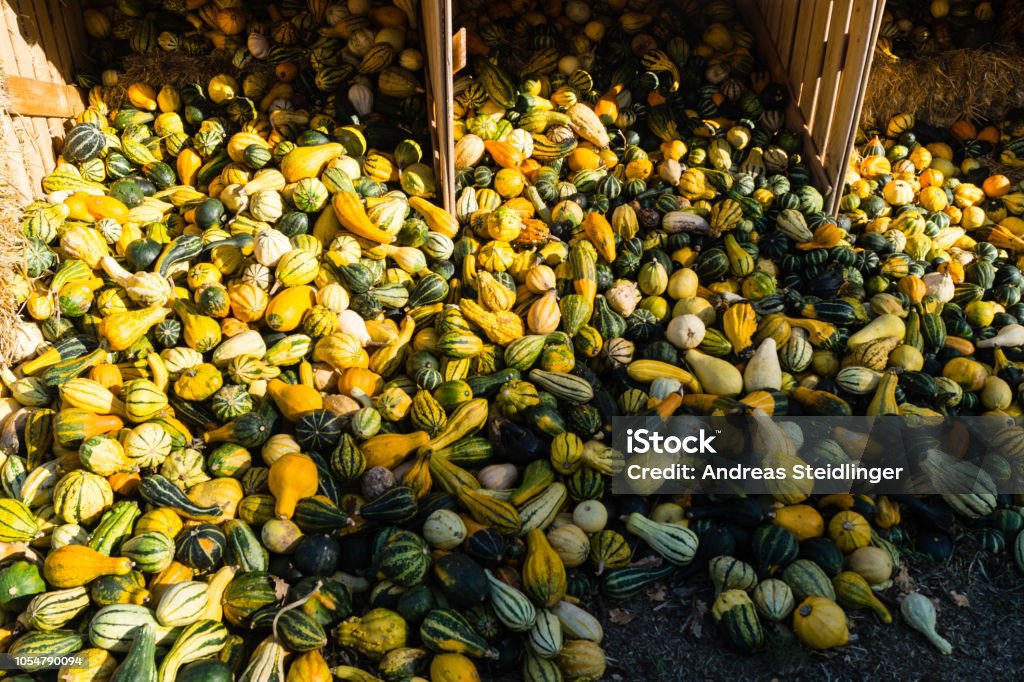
pixel 77 565
pixel 293 477
pixel 122 330
pixel 307 162
pixel 388 450
pixel 544 576
pixel 294 400
pixel 309 667
pixel 437 219
pixel 453 668
pixel 284 312
pixel 215 591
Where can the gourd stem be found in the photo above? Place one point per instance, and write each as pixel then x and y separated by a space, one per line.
pixel 294 605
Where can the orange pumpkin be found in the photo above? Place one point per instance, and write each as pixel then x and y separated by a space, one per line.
pixel 231 21
pixel 989 134
pixel 996 186
pixel 365 380
pixel 963 129
pixel 125 484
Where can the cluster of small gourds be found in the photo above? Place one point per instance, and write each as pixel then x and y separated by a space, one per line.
pixel 918 29
pixel 354 59
pixel 271 389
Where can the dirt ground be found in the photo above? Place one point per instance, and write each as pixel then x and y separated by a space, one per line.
pixel 670 635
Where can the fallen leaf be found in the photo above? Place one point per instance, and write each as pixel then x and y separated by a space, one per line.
pixel 960 600
pixel 657 593
pixel 904 583
pixel 621 616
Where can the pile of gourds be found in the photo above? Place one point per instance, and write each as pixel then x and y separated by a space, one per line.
pixel 914 29
pixel 273 400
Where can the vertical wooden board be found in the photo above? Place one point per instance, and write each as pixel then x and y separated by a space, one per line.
pixel 794 118
pixel 834 64
pixel 809 73
pixel 785 39
pixel 865 25
pixel 775 20
pixel 794 64
pixel 74 29
pixel 437 27
pixel 54 58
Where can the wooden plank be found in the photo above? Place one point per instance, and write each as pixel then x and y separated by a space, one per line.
pixel 74 29
pixel 774 19
pixel 459 57
pixel 437 21
pixel 786 38
pixel 865 25
pixel 794 118
pixel 36 157
pixel 809 72
pixel 835 55
pixel 30 97
pixel 797 57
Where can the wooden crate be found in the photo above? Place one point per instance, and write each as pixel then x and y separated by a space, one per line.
pixel 822 51
pixel 42 43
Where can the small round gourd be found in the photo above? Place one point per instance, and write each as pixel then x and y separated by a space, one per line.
pixel 444 529
pixel 820 623
pixel 685 331
pixel 590 515
pixel 849 530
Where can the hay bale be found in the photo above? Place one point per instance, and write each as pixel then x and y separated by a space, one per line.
pixel 13 180
pixel 176 69
pixel 977 84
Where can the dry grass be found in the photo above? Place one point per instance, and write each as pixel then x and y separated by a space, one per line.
pixel 11 248
pixel 176 69
pixel 974 84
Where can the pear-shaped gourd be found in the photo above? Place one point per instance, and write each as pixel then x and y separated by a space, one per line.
pixel 919 612
pixel 763 372
pixel 881 327
pixel 716 376
pixel 292 477
pixel 122 330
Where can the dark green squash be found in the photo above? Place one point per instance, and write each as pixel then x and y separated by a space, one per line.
pixel 461 579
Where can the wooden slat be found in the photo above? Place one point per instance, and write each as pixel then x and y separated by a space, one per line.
pixel 794 118
pixel 808 74
pixel 30 97
pixel 786 37
pixel 33 134
pixel 865 23
pixel 437 21
pixel 805 21
pixel 835 55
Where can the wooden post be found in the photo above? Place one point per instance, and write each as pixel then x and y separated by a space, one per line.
pixel 437 31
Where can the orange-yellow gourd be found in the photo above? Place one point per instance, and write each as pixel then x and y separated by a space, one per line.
pixel 293 477
pixel 77 565
pixel 294 400
pixel 390 449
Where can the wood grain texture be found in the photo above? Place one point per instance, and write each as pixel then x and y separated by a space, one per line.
pixel 41 44
pixel 822 51
pixel 437 31
pixel 31 97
